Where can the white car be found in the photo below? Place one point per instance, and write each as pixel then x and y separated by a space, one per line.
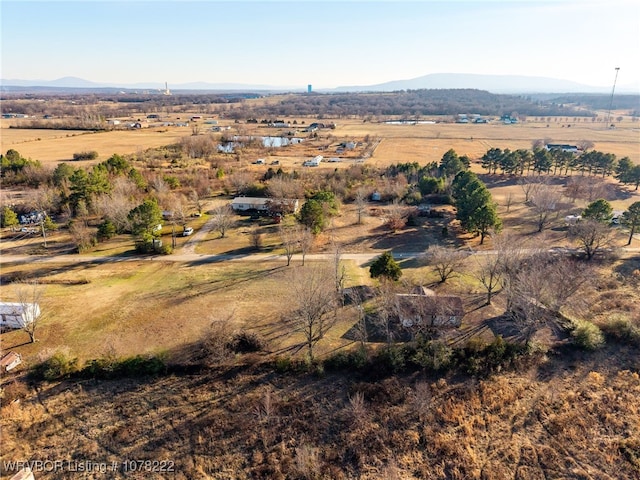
pixel 187 231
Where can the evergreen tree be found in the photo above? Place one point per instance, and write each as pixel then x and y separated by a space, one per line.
pixel 599 210
pixel 631 219
pixel 385 266
pixel 9 217
pixel 475 210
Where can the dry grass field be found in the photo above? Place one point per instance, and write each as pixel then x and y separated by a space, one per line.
pixel 400 143
pixel 54 146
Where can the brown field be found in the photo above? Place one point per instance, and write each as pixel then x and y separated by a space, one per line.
pixel 400 143
pixel 53 146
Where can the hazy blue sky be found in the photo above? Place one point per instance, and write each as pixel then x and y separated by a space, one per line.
pixel 327 44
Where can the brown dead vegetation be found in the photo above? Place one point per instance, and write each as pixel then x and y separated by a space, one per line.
pixel 564 418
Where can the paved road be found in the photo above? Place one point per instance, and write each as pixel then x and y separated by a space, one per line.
pixel 195 258
pixel 186 254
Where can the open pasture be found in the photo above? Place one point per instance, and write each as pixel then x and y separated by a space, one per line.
pixel 399 143
pixel 138 307
pixel 54 146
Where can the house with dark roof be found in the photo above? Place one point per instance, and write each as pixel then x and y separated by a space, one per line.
pixel 423 310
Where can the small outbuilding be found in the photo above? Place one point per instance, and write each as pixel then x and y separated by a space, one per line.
pixel 10 361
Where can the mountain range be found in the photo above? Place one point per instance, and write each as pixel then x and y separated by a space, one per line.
pixel 512 84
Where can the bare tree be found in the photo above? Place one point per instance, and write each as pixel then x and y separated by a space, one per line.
pixel 395 217
pixel 289 240
pixel 489 273
pixel 585 145
pixel 305 241
pixel 512 253
pixel 591 235
pixel 177 211
pixel 83 237
pixel 386 311
pixel 544 202
pixel 222 219
pixel 314 301
pixel 361 203
pixel 116 205
pixel 159 185
pixel 357 299
pixel 445 261
pixel 542 287
pixel 508 201
pixel 29 295
pixel 240 182
pixel 43 199
pixel 339 270
pixel 256 238
pixel 538 143
pixel 529 185
pixel 280 187
pixel 196 199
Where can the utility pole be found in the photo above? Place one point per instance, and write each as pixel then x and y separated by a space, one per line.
pixel 44 232
pixel 611 100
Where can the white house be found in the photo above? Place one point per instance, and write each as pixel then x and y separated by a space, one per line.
pixel 563 147
pixel 314 162
pixel 264 205
pixel 18 315
pixel 246 204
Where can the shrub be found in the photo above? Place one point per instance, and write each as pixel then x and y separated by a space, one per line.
pixel 433 355
pixel 106 230
pixel 586 335
pixel 59 365
pixel 392 359
pixel 479 357
pixel 284 364
pixel 347 360
pixel 245 342
pixel 620 328
pixel 164 249
pixel 140 366
pixel 92 155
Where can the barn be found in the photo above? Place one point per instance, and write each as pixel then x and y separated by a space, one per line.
pixel 17 315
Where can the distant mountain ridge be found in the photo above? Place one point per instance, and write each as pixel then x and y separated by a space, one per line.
pixel 492 83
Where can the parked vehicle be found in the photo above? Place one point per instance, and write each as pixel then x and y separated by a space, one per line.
pixel 187 231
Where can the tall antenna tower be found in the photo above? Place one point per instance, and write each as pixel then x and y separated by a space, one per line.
pixel 611 100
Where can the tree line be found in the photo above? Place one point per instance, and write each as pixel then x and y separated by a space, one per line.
pixel 556 161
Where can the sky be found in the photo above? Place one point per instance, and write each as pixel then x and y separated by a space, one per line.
pixel 327 44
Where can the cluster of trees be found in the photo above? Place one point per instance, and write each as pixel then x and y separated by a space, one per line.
pixel 104 105
pixel 13 167
pixel 112 195
pixel 410 103
pixel 559 162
